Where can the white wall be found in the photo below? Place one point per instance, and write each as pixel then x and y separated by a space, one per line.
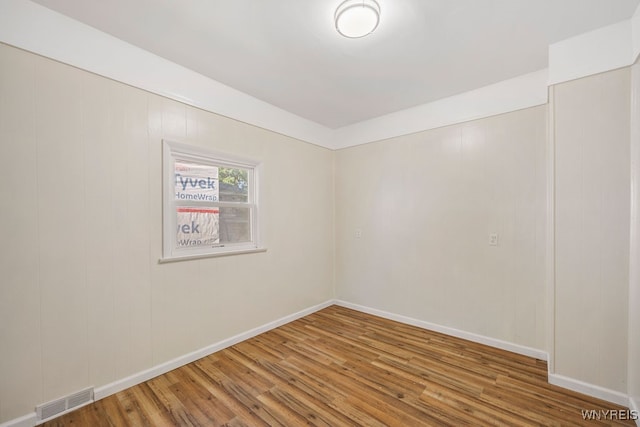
pixel 426 204
pixel 592 228
pixel 83 300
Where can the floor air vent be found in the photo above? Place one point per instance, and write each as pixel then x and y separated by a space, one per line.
pixel 67 403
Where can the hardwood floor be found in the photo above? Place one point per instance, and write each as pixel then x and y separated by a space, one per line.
pixel 339 367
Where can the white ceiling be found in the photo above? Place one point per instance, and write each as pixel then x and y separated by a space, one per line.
pixel 287 52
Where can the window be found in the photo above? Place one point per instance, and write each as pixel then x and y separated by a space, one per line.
pixel 210 203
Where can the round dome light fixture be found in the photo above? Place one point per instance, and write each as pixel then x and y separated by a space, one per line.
pixel 357 18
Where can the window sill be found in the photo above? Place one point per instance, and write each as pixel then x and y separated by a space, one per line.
pixel 214 255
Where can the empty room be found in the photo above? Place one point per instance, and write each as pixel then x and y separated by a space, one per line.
pixel 318 212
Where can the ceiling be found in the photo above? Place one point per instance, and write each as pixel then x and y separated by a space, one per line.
pixel 287 52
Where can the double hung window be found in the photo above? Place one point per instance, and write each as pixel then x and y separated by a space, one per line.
pixel 210 203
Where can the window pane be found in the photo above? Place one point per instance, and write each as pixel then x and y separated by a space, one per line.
pixel 196 182
pixel 209 202
pixel 235 225
pixel 197 227
pixel 234 185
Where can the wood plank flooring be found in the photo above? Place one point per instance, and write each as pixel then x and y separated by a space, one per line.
pixel 339 367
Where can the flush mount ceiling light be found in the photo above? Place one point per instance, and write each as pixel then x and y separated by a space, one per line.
pixel 357 18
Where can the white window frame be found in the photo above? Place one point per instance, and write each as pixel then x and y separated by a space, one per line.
pixel 175 151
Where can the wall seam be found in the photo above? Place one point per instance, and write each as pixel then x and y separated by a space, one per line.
pixel 551 233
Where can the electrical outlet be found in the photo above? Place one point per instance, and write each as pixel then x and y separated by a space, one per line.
pixel 358 233
pixel 493 239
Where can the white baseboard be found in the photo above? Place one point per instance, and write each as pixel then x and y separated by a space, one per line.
pixel 140 377
pixel 589 389
pixel 555 379
pixel 25 421
pixel 30 420
pixel 481 339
